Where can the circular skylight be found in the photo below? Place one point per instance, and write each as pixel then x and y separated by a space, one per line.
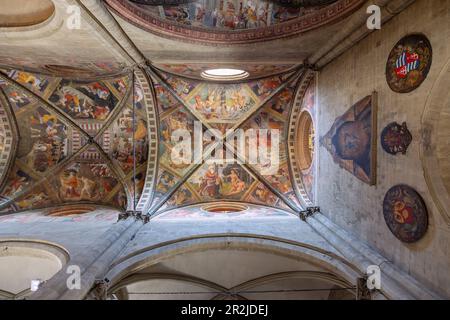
pixel 225 74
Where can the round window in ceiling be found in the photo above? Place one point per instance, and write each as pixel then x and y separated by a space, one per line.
pixel 225 74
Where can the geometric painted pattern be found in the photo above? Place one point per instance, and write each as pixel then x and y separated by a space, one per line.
pixel 71 133
pixel 300 189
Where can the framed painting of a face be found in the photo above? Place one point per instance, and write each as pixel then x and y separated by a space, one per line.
pixel 352 140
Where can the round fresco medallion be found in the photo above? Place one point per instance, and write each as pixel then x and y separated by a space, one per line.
pixel 396 138
pixel 409 63
pixel 405 213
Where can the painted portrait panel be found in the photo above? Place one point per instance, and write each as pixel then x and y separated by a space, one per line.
pixel 166 181
pixel 221 103
pixel 86 182
pixel 17 182
pixel 352 140
pixel 228 14
pixel 262 195
pixel 129 140
pixel 165 100
pixel 184 196
pixel 17 98
pixel 84 100
pixel 36 198
pixel 213 181
pixel 265 87
pixel 182 87
pixel 34 82
pixel 46 142
pixel 177 120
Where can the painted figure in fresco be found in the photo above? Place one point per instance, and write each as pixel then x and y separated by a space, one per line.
pixel 237 185
pixel 141 130
pixel 210 182
pixel 16 183
pixel 353 141
pixel 240 103
pixel 120 199
pixel 89 182
pixel 84 101
pixel 127 144
pixel 48 140
pixel 138 97
pixel 33 81
pixel 180 198
pixel 69 184
pixel 265 87
pixel 166 182
pixel 88 189
pixel 281 181
pixel 226 14
pixel 177 120
pixel 181 86
pixel 18 98
pixel 178 14
pixel 263 195
pixel 97 90
pixel 120 86
pixel 138 181
pixel 33 200
pixel 281 102
pixel 350 141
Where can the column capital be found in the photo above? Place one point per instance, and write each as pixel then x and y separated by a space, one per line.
pixel 309 212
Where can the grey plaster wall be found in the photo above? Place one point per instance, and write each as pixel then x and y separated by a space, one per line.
pixel 74 234
pixel 286 228
pixel 356 206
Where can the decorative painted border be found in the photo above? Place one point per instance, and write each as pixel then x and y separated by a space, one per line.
pixel 8 127
pixel 144 20
pixel 152 126
pixel 299 188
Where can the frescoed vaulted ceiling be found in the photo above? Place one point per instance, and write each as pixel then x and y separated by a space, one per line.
pixel 86 141
pixel 77 141
pixel 95 142
pixel 249 20
pixel 225 108
pixel 95 127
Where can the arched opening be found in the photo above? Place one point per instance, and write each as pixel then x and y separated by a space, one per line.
pixel 435 147
pixel 230 268
pixel 27 264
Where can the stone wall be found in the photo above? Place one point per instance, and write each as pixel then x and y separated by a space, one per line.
pixel 350 203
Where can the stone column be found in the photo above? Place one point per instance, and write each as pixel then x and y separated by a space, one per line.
pixel 395 284
pixel 93 263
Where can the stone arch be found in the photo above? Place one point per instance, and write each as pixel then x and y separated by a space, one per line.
pixel 149 256
pixel 24 260
pixel 8 137
pixel 300 120
pixel 434 147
